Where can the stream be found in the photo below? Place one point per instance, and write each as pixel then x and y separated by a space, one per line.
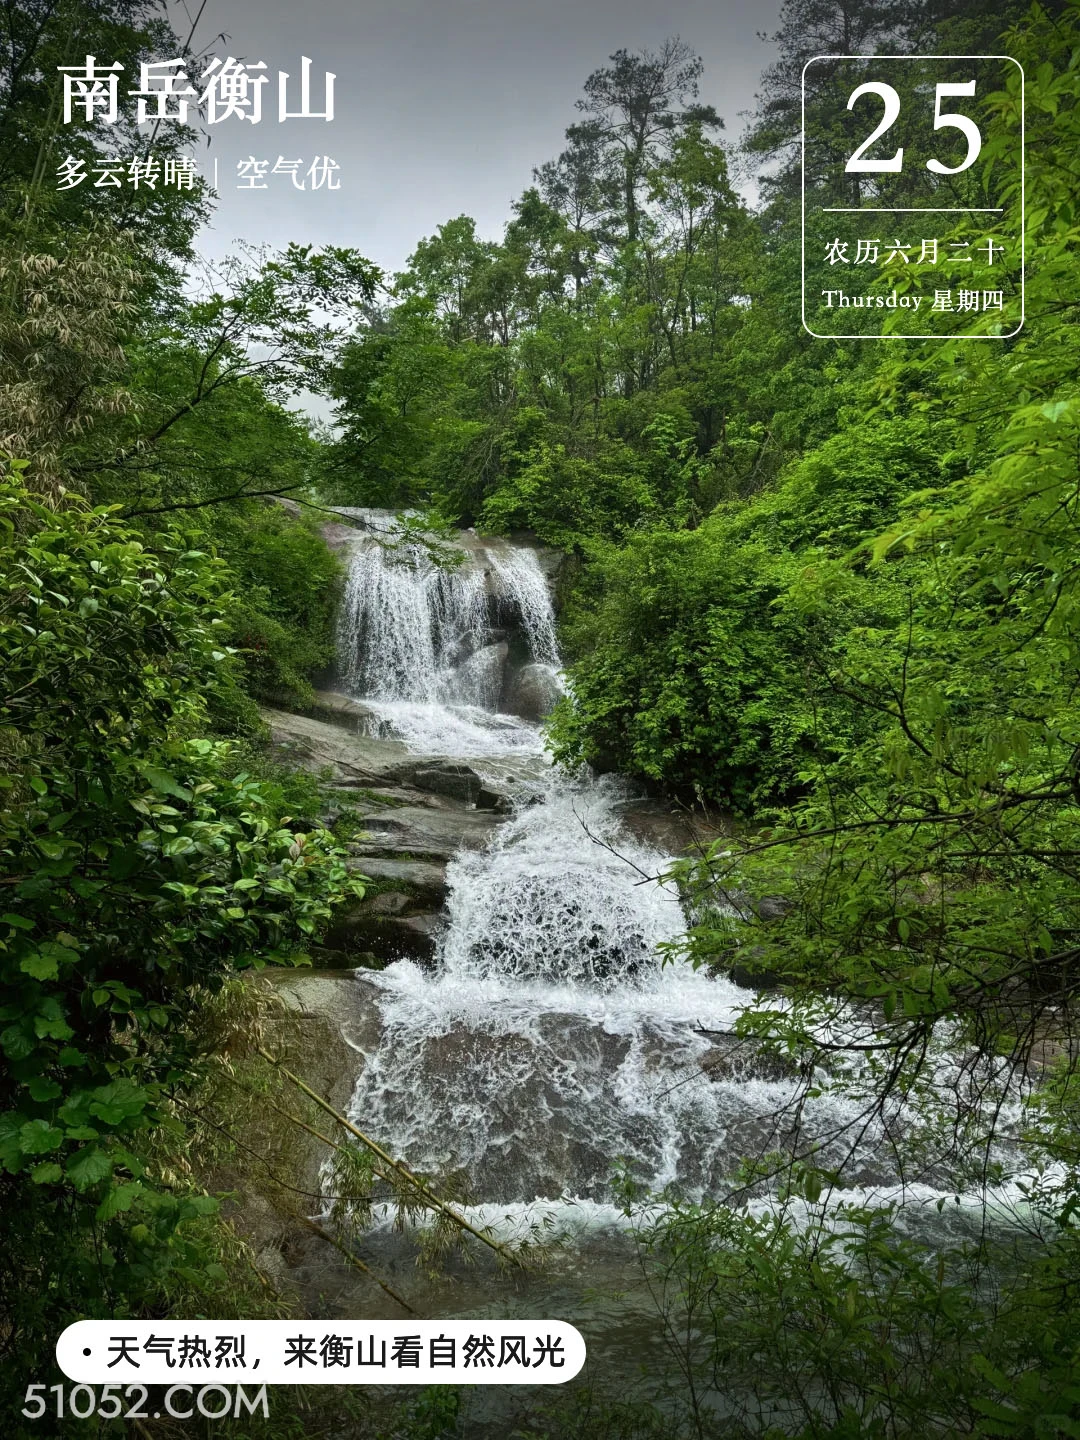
pixel 549 1041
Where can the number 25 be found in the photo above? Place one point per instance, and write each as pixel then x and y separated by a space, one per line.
pixel 892 109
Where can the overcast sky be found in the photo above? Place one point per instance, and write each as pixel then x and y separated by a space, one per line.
pixel 442 106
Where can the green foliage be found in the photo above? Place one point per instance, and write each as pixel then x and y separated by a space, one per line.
pixel 564 497
pixel 691 674
pixel 399 380
pixel 69 300
pixel 40 36
pixel 281 617
pixel 134 870
pixel 210 375
pixel 957 810
pixel 825 1320
pixel 834 590
pixel 701 660
pixel 524 384
pixel 924 887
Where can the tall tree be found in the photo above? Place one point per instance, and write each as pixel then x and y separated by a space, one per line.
pixel 36 38
pixel 810 28
pixel 633 106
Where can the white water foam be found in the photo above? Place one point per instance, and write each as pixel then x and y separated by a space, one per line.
pixel 415 642
pixel 552 1041
pixel 922 1211
pixel 462 731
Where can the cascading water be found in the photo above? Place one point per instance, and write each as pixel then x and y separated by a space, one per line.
pixel 424 645
pixel 408 623
pixel 553 1040
pixel 550 1040
pixel 519 579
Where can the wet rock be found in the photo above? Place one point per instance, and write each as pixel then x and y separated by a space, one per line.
pixel 452 778
pixel 425 930
pixel 750 976
pixel 746 968
pixel 315 745
pixel 368 960
pixel 338 536
pixel 423 880
pixel 497 800
pixel 414 808
pixel 550 561
pixel 760 907
pixel 335 709
pixel 739 1060
pixel 541 1143
pixel 389 902
pixel 386 936
pixel 772 907
pixel 400 915
pixel 671 828
pixel 533 692
pixel 324 1022
pixel 510 792
pixel 371 799
pixel 411 831
pixel 362 760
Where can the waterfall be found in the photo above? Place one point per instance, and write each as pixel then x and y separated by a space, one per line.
pixel 520 581
pixel 425 645
pixel 547 902
pixel 551 1040
pixel 405 621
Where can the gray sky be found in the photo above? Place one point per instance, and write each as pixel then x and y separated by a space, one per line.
pixel 442 106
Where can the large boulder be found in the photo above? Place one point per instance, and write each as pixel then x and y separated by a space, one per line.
pixel 383 928
pixel 349 756
pixel 533 692
pixel 452 778
pixel 333 708
pixel 321 1023
pixel 424 833
pixel 422 878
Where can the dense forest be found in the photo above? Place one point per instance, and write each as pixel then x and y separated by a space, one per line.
pixel 826 589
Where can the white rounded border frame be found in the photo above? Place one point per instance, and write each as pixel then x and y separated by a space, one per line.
pixel 1023 200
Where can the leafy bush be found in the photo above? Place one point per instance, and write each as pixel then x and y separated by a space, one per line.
pixel 281 617
pixel 135 873
pixel 702 667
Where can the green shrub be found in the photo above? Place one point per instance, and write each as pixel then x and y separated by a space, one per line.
pixel 135 871
pixel 701 668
